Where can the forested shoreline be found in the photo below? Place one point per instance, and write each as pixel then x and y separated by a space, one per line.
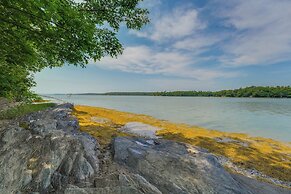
pixel 248 92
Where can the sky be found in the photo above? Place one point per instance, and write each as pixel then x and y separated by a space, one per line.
pixel 190 45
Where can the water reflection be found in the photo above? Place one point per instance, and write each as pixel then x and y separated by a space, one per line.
pixel 275 106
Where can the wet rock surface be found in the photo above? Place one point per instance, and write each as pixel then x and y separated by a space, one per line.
pixel 45 152
pixel 140 129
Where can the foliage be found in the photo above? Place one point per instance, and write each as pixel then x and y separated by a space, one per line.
pixel 23 110
pixel 49 33
pixel 253 91
pixel 16 83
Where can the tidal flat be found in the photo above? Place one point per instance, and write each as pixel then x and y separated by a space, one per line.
pixel 267 157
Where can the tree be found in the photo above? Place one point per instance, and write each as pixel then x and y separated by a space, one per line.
pixel 49 33
pixel 15 83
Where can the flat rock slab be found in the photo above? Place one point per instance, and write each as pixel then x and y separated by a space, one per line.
pixel 100 120
pixel 230 140
pixel 178 168
pixel 140 129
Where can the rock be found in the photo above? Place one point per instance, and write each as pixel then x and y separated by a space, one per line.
pixel 100 120
pixel 140 129
pixel 57 118
pixel 66 106
pixel 230 140
pixel 49 154
pixel 259 187
pixel 46 155
pixel 6 104
pixel 178 168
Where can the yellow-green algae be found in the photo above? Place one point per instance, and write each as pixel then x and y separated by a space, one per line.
pixel 268 156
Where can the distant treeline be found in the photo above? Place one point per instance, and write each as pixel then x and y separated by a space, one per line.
pixel 253 91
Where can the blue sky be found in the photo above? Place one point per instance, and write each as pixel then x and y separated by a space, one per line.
pixel 190 45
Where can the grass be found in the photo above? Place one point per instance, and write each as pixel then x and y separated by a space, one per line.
pixel 268 156
pixel 23 110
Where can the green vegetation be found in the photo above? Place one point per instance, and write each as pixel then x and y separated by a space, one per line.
pixel 23 110
pixel 15 83
pixel 253 91
pixel 51 33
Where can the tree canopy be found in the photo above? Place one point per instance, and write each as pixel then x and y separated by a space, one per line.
pixel 49 33
pixel 253 91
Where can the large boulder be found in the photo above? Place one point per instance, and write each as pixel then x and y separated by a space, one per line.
pixel 173 167
pixel 46 154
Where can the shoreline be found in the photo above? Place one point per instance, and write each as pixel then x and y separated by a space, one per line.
pixel 77 149
pixel 167 96
pixel 193 126
pixel 265 118
pixel 260 157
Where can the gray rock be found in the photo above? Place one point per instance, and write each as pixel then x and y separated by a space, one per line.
pixel 100 120
pixel 140 129
pixel 6 104
pixel 178 168
pixel 66 106
pixel 46 156
pixel 230 140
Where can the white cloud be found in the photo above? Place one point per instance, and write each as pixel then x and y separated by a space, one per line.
pixel 150 4
pixel 262 32
pixel 144 60
pixel 257 33
pixel 177 24
pixel 197 43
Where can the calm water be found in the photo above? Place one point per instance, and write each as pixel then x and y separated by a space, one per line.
pixel 258 117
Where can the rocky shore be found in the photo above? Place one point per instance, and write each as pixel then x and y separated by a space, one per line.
pixel 45 152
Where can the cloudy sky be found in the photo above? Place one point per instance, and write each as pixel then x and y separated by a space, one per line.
pixel 191 45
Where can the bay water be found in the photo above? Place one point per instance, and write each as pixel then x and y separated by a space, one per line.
pixel 264 117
